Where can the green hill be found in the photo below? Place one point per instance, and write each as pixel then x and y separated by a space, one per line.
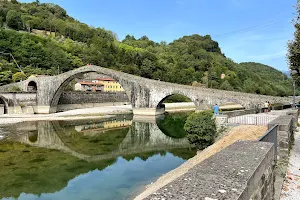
pixel 45 40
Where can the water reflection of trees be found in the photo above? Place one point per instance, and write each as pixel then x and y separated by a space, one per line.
pixel 172 124
pixel 92 142
pixel 35 170
pixel 32 170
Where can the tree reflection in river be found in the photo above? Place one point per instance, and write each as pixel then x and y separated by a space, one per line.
pixel 53 159
pixel 172 124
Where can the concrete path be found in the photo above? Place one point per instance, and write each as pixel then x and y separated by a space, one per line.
pixel 291 186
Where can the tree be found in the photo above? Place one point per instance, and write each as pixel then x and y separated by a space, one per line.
pixel 1 22
pixel 294 47
pixel 5 77
pixel 147 68
pixel 19 76
pixel 226 86
pixel 249 86
pixel 201 128
pixel 13 20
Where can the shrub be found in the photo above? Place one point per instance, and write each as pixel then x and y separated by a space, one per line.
pixel 201 129
pixel 19 76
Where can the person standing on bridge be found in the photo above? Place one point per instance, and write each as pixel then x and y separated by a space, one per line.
pixel 266 107
pixel 270 106
pixel 216 109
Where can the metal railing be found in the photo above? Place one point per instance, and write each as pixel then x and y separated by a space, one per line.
pixel 252 119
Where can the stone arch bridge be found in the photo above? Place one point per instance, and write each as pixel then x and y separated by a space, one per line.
pixel 145 95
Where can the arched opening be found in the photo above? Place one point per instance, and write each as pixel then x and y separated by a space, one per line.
pixel 33 136
pixel 176 102
pixel 3 106
pixel 32 86
pixel 89 89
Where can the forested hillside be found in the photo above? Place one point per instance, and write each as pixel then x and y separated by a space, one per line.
pixel 45 40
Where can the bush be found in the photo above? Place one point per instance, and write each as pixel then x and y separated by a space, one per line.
pixel 201 129
pixel 19 76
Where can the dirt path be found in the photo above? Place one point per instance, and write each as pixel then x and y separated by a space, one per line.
pixel 243 132
pixel 291 186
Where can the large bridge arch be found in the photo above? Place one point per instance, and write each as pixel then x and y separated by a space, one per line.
pixel 50 89
pixel 70 76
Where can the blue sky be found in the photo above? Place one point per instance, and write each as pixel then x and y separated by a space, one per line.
pixel 269 22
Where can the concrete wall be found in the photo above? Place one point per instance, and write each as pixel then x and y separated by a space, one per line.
pixel 79 100
pixel 92 97
pixel 285 130
pixel 242 171
pixel 66 107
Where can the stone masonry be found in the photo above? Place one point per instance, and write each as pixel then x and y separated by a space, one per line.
pixel 92 97
pixel 144 94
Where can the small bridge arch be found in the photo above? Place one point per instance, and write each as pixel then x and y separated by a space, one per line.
pixel 3 105
pixel 32 86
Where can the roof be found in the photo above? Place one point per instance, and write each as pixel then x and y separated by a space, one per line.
pixel 105 79
pixel 90 83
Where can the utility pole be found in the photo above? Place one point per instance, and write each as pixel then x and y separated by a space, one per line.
pixel 13 59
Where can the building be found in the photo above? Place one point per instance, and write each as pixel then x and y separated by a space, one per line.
pixel 89 86
pixel 110 85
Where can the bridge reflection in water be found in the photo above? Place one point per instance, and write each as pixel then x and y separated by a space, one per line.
pixel 100 159
pixel 119 136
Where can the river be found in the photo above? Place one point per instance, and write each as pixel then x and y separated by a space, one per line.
pixel 105 159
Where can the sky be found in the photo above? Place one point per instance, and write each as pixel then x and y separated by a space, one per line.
pixel 246 30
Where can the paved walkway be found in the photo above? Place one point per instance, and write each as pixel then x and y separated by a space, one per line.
pixel 291 187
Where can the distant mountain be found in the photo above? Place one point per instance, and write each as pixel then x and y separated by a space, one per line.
pixel 287 73
pixel 44 39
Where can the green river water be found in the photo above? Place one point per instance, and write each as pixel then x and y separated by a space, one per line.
pixel 103 159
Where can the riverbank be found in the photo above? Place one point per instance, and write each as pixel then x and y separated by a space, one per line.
pixel 87 113
pixel 250 132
